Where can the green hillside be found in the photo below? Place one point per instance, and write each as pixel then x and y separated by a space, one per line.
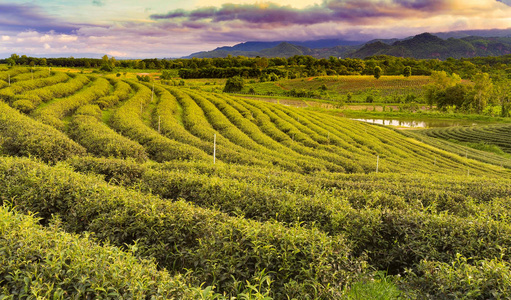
pixel 231 197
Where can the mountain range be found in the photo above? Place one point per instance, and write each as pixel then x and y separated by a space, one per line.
pixel 455 44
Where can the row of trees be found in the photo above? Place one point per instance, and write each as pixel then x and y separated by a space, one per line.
pixel 296 66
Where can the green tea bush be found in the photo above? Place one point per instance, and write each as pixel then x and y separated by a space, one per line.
pixel 58 90
pixel 7 94
pixel 195 122
pixel 121 92
pixel 47 263
pixel 463 278
pixel 101 140
pixel 23 136
pixel 24 106
pixel 55 111
pixel 127 120
pixel 90 110
pixel 221 250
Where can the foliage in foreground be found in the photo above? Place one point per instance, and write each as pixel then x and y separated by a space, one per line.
pixel 221 250
pixel 47 263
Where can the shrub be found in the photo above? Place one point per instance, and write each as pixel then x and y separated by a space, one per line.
pixel 49 263
pixel 24 106
pixel 234 84
pixel 221 250
pixel 36 139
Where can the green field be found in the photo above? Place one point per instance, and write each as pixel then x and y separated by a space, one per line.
pixel 201 195
pixel 387 89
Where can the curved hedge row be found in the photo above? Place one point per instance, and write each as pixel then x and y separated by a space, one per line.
pixel 12 72
pixel 23 136
pixel 313 160
pixel 55 111
pixel 31 75
pixel 101 140
pixel 497 135
pixel 393 227
pixel 47 93
pixel 47 263
pixel 8 94
pixel 221 250
pixel 121 92
pixel 196 123
pixel 127 120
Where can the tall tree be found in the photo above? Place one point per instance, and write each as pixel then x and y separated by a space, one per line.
pixel 407 72
pixel 377 72
pixel 483 87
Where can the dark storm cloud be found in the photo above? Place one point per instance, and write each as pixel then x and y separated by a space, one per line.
pixel 23 17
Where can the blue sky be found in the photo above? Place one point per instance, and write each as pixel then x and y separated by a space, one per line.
pixel 155 28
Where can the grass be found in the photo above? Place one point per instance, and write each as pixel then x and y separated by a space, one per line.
pixel 387 89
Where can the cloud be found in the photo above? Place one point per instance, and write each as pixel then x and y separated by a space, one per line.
pixel 22 17
pixel 98 2
pixel 348 11
pixel 27 29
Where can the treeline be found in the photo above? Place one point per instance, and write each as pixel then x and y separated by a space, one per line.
pixel 213 72
pixel 292 67
pixel 482 95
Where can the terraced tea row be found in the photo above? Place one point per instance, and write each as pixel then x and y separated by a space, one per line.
pixel 184 123
pixel 497 135
pixel 293 204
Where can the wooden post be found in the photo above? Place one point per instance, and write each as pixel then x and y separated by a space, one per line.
pixel 152 93
pixel 159 124
pixel 377 162
pixel 32 71
pixel 214 149
pixel 9 75
pixel 141 108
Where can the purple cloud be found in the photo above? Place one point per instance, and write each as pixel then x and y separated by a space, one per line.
pixel 349 11
pixel 23 17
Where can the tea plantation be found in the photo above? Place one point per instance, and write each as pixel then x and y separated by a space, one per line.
pixel 120 189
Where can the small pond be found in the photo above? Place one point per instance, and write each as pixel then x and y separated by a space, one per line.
pixel 418 123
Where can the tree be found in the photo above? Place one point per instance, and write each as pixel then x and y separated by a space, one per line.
pixel 166 75
pixel 407 72
pixel 440 81
pixel 234 84
pixel 483 87
pixel 377 72
pixel 502 94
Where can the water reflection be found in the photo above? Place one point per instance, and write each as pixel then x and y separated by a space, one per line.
pixel 418 124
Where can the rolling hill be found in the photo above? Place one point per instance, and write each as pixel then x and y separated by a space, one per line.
pixel 422 46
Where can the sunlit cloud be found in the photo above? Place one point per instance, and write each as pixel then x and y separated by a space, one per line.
pixel 168 29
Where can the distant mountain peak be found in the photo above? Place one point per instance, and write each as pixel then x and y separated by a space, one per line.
pixel 422 46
